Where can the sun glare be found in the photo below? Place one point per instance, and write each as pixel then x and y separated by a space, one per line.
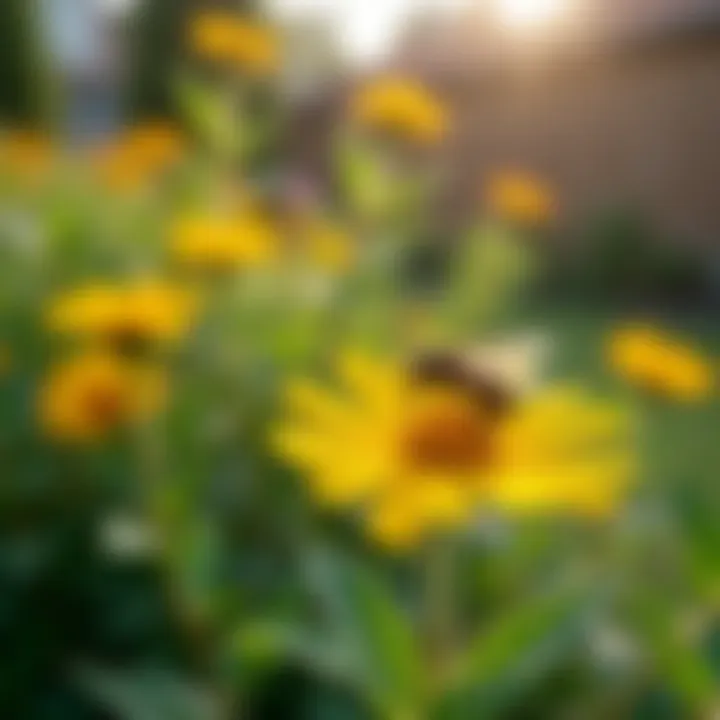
pixel 366 29
pixel 528 13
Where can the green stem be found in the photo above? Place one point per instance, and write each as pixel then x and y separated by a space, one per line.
pixel 440 610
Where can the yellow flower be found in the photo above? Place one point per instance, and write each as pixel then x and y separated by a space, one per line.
pixel 257 50
pixel 88 397
pixel 521 198
pixel 659 363
pixel 155 144
pixel 224 38
pixel 214 243
pixel 135 159
pixel 117 170
pixel 27 154
pixel 419 454
pixel 127 316
pixel 401 107
pixel 212 35
pixel 327 246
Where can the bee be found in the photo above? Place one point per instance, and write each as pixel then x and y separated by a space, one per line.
pixel 496 374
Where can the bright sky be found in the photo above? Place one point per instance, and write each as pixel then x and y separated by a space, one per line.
pixel 367 28
pixel 115 6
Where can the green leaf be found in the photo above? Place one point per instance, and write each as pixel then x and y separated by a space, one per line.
pixel 371 190
pixel 513 653
pixel 260 131
pixel 372 628
pixel 491 269
pixel 259 645
pixel 699 540
pixel 148 695
pixel 209 112
pixel 680 664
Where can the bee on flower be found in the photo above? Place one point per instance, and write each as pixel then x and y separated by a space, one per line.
pixel 128 317
pixel 401 108
pixel 235 42
pixel 419 448
pixel 87 398
pixel 521 198
pixel 660 364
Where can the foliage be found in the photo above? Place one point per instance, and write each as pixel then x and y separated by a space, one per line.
pixel 622 255
pixel 157 32
pixel 285 478
pixel 26 94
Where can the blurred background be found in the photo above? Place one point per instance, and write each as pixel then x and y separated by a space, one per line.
pixel 614 103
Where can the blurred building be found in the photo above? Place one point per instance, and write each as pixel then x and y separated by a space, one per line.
pixel 618 103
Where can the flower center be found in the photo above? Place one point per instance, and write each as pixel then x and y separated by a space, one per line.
pixel 448 434
pixel 129 339
pixel 105 406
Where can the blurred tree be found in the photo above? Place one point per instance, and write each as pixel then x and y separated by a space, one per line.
pixel 25 87
pixel 157 47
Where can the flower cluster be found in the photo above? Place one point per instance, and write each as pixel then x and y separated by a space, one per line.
pixel 242 44
pixel 422 447
pixel 274 369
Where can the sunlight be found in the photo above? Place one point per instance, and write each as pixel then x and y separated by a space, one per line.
pixel 366 29
pixel 528 13
pixel 115 7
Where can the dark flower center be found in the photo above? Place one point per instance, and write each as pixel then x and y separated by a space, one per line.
pixel 452 437
pixel 105 406
pixel 129 340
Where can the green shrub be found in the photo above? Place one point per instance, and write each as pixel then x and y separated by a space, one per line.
pixel 621 255
pixel 25 88
pixel 157 35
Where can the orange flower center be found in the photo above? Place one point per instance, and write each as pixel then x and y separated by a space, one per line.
pixel 105 405
pixel 449 435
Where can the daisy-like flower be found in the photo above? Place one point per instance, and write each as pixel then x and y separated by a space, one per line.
pixel 419 450
pixel 128 317
pixel 402 108
pixel 155 144
pixel 133 160
pixel 27 155
pixel 521 198
pixel 211 35
pixel 659 363
pixel 326 245
pixel 87 398
pixel 118 171
pixel 232 41
pixel 216 244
